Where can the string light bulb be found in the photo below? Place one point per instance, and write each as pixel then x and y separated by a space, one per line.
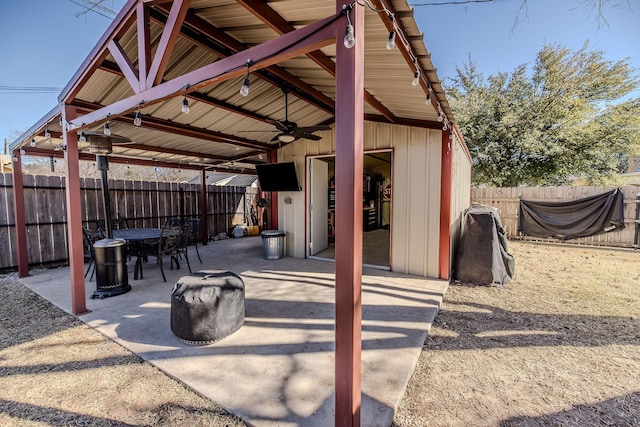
pixel 428 101
pixel 444 126
pixel 106 129
pixel 439 116
pixel 83 137
pixel 33 142
pixel 22 150
pixel 137 120
pixel 244 90
pixel 416 79
pixel 391 41
pixel 47 134
pixel 185 105
pixel 349 37
pixel 15 158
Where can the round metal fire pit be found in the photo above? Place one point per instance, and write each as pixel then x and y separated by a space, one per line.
pixel 111 268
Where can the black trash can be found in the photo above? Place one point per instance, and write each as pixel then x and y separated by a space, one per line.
pixel 111 268
pixel 273 242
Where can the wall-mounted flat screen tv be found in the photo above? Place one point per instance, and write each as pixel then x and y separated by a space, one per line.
pixel 278 177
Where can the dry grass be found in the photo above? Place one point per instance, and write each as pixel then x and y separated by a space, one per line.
pixel 57 371
pixel 559 345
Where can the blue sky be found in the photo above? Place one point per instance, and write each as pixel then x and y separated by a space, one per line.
pixel 42 42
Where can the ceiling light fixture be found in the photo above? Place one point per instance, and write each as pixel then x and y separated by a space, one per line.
pixel 285 137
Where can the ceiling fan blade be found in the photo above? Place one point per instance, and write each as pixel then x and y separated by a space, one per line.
pixel 282 127
pixel 310 136
pixel 309 129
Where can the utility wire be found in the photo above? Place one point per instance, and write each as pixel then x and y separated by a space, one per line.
pixel 30 89
pixel 447 3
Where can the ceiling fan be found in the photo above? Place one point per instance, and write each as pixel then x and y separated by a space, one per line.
pixel 289 131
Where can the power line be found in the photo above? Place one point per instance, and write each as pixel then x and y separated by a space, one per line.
pixel 30 89
pixel 447 3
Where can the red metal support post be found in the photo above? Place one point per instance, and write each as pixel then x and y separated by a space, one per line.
pixel 19 217
pixel 444 267
pixel 74 216
pixel 349 170
pixel 204 224
pixel 273 202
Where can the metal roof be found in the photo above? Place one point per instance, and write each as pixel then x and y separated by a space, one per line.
pixel 223 129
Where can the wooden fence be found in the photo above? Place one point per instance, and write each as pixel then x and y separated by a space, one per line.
pixel 505 200
pixel 142 204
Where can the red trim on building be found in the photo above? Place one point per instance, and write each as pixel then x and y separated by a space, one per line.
pixel 444 266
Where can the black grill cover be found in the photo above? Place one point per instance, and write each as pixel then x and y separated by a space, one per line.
pixel 207 306
pixel 482 256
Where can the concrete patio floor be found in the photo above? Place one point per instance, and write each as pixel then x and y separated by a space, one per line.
pixel 278 369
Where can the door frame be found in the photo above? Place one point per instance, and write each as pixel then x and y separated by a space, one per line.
pixel 307 219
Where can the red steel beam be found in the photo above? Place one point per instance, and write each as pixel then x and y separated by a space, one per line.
pixel 290 45
pixel 19 215
pixel 280 25
pixel 124 63
pixel 179 128
pixel 349 170
pixel 112 68
pixel 74 217
pixel 204 224
pixel 168 39
pixel 144 44
pixel 446 186
pixel 120 24
pixel 313 95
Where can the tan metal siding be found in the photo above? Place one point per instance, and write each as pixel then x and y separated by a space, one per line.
pixel 461 193
pixel 416 193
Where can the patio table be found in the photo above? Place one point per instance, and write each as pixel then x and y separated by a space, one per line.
pixel 134 238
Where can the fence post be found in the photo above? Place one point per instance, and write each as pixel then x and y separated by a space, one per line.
pixel 637 223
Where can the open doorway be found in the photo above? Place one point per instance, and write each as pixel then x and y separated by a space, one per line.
pixel 376 208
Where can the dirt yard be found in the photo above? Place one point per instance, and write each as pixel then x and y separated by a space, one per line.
pixel 559 345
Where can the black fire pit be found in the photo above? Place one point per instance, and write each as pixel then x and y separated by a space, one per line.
pixel 111 268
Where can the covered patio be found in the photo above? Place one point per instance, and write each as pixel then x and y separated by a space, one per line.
pixel 277 370
pixel 217 85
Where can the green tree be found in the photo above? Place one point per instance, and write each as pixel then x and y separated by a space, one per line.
pixel 545 125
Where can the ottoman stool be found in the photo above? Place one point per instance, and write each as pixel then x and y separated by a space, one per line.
pixel 207 306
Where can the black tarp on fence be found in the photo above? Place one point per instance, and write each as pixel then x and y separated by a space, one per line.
pixel 573 219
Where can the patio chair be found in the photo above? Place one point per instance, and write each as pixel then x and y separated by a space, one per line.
pixel 194 234
pixel 172 244
pixel 90 237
